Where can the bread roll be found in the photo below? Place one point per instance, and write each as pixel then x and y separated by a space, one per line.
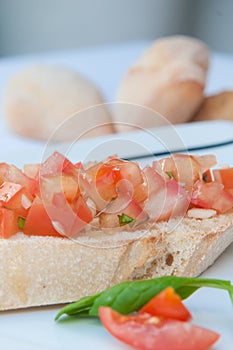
pixel 169 78
pixel 39 98
pixel 37 270
pixel 218 106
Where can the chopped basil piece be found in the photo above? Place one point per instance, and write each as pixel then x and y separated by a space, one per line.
pixel 170 174
pixel 21 222
pixel 125 220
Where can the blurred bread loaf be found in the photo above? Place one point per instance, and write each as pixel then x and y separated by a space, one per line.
pixel 169 78
pixel 218 106
pixel 39 98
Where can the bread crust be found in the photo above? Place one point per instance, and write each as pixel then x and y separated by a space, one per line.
pixel 46 270
pixel 169 78
pixel 215 107
pixel 41 101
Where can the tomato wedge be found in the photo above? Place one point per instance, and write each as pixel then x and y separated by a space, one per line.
pixel 167 304
pixel 146 332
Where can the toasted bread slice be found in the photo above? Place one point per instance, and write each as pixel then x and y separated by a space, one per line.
pixel 38 271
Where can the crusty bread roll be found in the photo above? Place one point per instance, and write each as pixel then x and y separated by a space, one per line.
pixel 218 106
pixel 47 270
pixel 169 78
pixel 39 98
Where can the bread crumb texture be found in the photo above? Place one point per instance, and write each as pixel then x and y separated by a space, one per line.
pixel 46 270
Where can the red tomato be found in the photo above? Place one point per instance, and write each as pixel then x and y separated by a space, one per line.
pixel 8 223
pixel 38 221
pixel 66 219
pixel 15 197
pixel 54 183
pixel 167 304
pixel 224 176
pixel 153 179
pixel 106 176
pixel 211 196
pixel 31 170
pixel 10 173
pixel 185 169
pixel 115 213
pixel 169 201
pixel 57 164
pixel 146 332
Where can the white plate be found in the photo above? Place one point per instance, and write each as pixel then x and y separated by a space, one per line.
pixel 35 329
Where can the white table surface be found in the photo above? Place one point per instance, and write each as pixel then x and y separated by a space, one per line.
pixel 35 329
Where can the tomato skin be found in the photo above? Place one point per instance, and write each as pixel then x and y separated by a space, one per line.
pixel 144 332
pixel 38 221
pixel 169 201
pixel 105 177
pixel 167 304
pixel 51 184
pixel 211 195
pixel 224 176
pixel 8 223
pixel 68 220
pixel 15 197
pixel 57 164
pixel 10 173
pixel 32 170
pixel 184 168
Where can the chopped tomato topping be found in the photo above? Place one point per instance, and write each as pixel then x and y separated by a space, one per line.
pixel 58 197
pixel 38 221
pixel 8 223
pixel 211 196
pixel 224 176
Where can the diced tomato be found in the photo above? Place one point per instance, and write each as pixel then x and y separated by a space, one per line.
pixel 8 223
pixel 31 170
pixel 167 304
pixel 118 209
pixel 56 164
pixel 153 179
pixel 146 332
pixel 224 176
pixel 140 193
pixel 185 169
pixel 10 173
pixel 66 219
pixel 51 184
pixel 78 165
pixel 107 175
pixel 211 196
pixel 15 197
pixel 38 221
pixel 131 172
pixel 82 210
pixel 169 201
pixel 206 162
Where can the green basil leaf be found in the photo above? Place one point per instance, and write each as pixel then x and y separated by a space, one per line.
pixel 131 296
